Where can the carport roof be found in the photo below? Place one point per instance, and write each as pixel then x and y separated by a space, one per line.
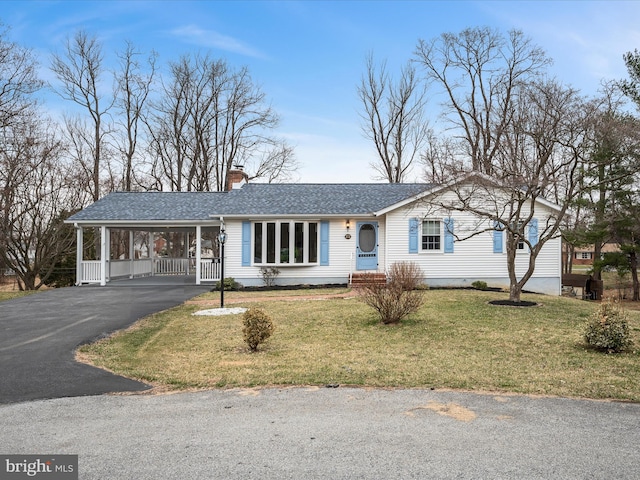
pixel 253 199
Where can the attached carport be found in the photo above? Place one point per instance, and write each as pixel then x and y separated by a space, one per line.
pixel 144 234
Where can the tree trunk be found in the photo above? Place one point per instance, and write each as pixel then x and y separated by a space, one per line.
pixel 597 254
pixel 633 264
pixel 514 292
pixel 27 281
pixel 568 260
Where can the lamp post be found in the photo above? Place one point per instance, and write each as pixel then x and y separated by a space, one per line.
pixel 222 237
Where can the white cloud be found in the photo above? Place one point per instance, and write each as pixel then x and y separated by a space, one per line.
pixel 212 39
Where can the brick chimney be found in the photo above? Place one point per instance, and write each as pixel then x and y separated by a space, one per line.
pixel 236 177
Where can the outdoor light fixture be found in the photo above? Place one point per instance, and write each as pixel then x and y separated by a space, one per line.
pixel 222 238
pixel 348 235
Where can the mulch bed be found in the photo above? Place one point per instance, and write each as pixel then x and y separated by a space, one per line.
pixel 509 303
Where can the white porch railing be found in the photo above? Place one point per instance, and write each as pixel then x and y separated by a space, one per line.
pixel 210 269
pixel 91 271
pixel 128 268
pixel 119 268
pixel 142 266
pixel 173 266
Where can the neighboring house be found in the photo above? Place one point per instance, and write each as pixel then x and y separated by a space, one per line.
pixel 315 234
pixel 586 255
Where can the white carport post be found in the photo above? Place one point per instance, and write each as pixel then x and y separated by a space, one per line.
pixel 152 251
pixel 103 255
pixel 79 255
pixel 186 252
pixel 198 253
pixel 131 254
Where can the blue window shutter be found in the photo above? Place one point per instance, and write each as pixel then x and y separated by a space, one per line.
pixel 324 243
pixel 413 235
pixel 448 235
pixel 497 238
pixel 246 244
pixel 533 232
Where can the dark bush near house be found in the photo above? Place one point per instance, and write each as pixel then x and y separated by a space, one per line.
pixel 479 285
pixel 258 326
pixel 400 296
pixel 63 273
pixel 608 328
pixel 229 284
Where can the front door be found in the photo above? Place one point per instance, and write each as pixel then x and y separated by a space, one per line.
pixel 367 246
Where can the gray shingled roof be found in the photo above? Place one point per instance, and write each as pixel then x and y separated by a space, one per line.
pixel 148 206
pixel 252 199
pixel 317 199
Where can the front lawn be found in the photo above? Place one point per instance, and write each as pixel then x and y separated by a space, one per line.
pixel 10 294
pixel 457 340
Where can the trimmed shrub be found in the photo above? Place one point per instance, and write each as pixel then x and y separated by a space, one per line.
pixel 608 328
pixel 479 285
pixel 258 326
pixel 229 284
pixel 399 297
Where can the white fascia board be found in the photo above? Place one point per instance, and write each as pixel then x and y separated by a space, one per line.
pixel 297 216
pixel 142 223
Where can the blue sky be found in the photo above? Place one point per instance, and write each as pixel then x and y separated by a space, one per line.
pixel 308 56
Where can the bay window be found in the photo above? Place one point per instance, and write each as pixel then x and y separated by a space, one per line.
pixel 285 242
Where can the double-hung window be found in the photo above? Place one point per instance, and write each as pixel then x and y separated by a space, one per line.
pixel 285 242
pixel 519 234
pixel 431 235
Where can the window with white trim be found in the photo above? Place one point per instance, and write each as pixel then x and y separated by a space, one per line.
pixel 285 242
pixel 519 234
pixel 431 235
pixel 583 255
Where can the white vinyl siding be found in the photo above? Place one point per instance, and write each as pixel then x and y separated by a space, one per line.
pixel 341 255
pixel 473 257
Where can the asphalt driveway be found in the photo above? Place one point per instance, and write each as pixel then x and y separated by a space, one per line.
pixel 39 333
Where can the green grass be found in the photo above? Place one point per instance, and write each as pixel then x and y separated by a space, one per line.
pixel 457 340
pixel 8 295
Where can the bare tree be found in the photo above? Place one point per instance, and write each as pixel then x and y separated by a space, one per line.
pixel 528 135
pixel 481 74
pixel 133 89
pixel 211 117
pixel 80 71
pixel 540 156
pixel 18 80
pixel 18 83
pixel 37 198
pixel 393 118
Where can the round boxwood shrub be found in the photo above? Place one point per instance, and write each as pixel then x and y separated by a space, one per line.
pixel 229 284
pixel 608 328
pixel 258 326
pixel 479 285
